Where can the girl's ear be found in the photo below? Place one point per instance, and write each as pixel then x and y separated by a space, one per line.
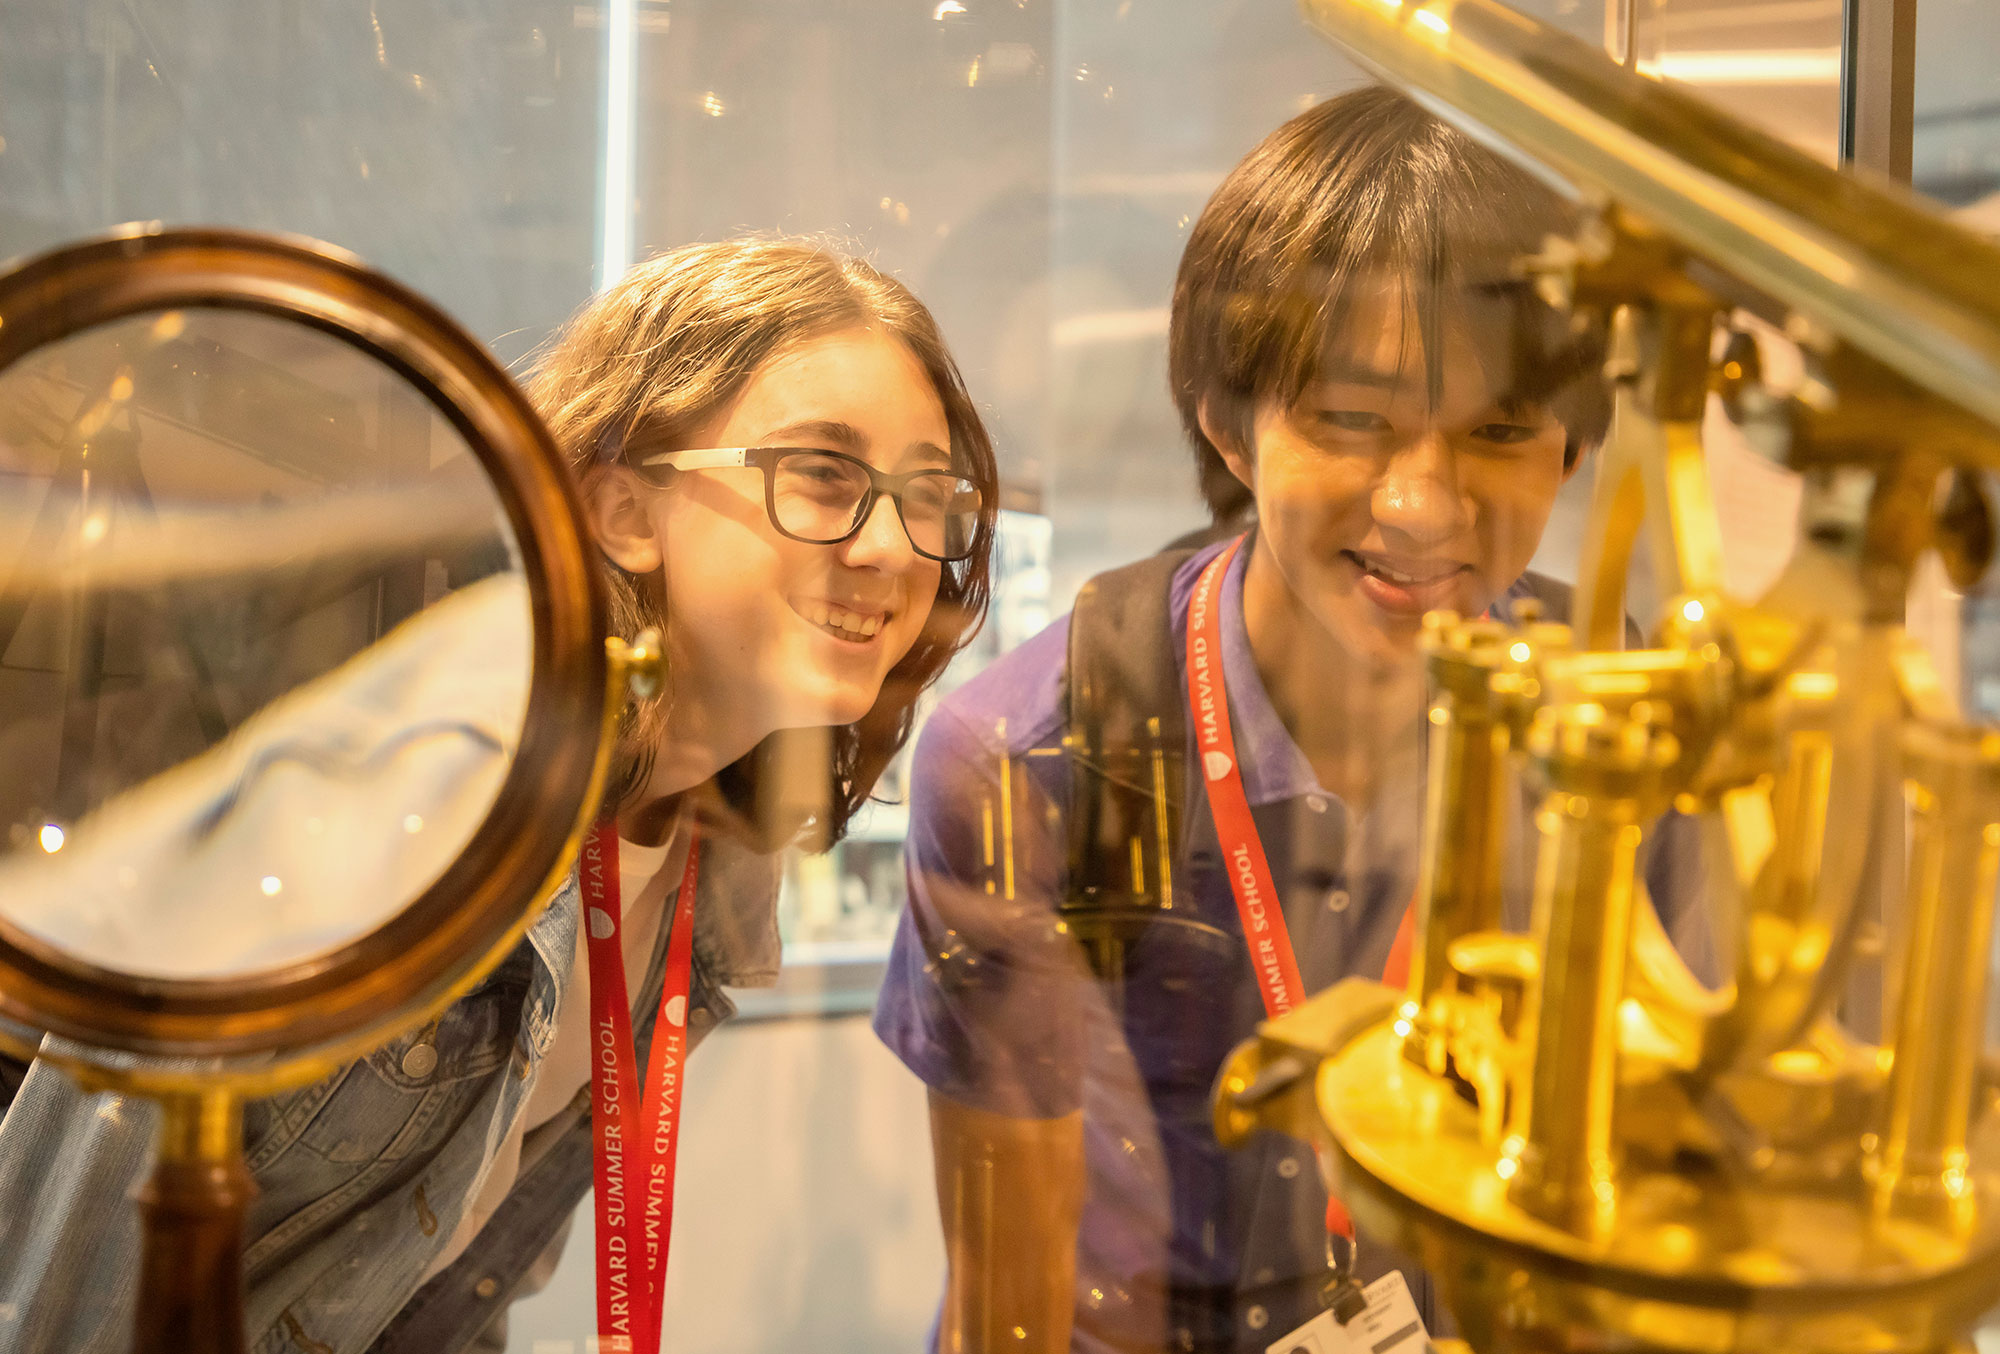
pixel 613 504
pixel 1226 444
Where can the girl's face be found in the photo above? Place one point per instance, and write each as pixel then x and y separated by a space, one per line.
pixel 752 610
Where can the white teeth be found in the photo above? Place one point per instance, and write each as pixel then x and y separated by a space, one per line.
pixel 1383 571
pixel 840 620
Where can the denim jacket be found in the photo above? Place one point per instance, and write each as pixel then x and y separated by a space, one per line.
pixel 362 1176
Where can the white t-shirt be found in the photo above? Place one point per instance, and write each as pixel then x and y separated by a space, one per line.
pixel 646 876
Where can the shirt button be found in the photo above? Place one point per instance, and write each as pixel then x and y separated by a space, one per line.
pixel 1317 803
pixel 420 1061
pixel 486 1288
pixel 1338 900
pixel 1256 1318
pixel 1288 1168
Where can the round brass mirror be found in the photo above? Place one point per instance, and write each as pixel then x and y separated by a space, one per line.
pixel 302 682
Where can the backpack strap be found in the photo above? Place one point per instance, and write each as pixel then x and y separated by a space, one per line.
pixel 1126 738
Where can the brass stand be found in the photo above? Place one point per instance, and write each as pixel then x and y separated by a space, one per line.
pixel 192 1212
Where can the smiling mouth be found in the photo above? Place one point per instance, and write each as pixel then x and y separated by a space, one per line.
pixel 855 627
pixel 1414 591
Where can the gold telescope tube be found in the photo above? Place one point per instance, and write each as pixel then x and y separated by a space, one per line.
pixel 1865 259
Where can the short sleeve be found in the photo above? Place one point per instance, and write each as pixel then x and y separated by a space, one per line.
pixel 980 997
pixel 1677 881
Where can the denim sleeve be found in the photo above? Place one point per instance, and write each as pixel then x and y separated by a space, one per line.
pixel 70 1164
pixel 981 994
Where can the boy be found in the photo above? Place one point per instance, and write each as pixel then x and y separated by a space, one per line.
pixel 1348 342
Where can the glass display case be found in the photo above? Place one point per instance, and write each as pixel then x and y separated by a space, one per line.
pixel 1033 170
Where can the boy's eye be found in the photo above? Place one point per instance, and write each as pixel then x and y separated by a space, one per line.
pixel 1354 420
pixel 1504 433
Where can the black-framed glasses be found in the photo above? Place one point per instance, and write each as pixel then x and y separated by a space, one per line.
pixel 822 497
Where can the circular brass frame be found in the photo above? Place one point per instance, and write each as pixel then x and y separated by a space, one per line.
pixel 275 1024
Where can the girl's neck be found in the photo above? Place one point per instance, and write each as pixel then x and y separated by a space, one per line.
pixel 701 737
pixel 1343 710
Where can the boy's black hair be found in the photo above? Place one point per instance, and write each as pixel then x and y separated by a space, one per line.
pixel 1365 185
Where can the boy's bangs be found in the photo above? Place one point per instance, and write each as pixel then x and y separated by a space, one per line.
pixel 1451 260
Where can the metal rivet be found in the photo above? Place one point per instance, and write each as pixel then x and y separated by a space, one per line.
pixel 1288 1167
pixel 420 1061
pixel 1317 803
pixel 1338 900
pixel 486 1288
pixel 1256 1318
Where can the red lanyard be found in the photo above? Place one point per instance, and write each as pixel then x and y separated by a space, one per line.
pixel 1243 857
pixel 637 1141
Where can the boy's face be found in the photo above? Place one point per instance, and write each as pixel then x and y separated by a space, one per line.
pixel 1377 507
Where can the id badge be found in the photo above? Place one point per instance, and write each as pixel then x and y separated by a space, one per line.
pixel 1388 1325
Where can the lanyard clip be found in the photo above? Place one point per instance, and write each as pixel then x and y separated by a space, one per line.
pixel 1341 1294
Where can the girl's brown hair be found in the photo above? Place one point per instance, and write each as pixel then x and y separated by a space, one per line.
pixel 654 359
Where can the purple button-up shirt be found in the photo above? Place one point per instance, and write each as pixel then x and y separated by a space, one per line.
pixel 1182 1245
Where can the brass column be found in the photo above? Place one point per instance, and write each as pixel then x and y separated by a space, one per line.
pixel 1604 770
pixel 1919 1163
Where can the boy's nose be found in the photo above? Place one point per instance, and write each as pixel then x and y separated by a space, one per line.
pixel 1418 496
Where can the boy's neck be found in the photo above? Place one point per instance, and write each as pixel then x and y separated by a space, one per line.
pixel 1342 710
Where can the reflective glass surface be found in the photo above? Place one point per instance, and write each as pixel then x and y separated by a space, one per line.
pixel 266 644
pixel 1033 170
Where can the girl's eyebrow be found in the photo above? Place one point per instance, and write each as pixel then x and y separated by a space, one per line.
pixel 827 432
pixel 834 435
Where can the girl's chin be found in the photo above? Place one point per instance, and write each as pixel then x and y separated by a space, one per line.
pixel 826 708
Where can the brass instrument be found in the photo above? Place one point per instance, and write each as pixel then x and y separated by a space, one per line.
pixel 1588 1147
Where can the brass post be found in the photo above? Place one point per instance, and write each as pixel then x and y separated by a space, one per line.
pixel 1605 772
pixel 191 1257
pixel 1458 882
pixel 1919 1164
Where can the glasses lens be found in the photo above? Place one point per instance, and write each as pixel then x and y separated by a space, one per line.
pixel 941 511
pixel 815 494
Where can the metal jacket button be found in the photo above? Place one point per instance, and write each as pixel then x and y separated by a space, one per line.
pixel 420 1061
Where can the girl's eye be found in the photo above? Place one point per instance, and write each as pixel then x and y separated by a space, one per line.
pixel 1505 434
pixel 1354 420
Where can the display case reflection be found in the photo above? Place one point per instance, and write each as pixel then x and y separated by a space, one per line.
pixel 266 643
pixel 841 906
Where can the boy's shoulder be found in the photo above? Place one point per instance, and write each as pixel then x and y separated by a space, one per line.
pixel 1552 594
pixel 1017 700
pixel 1021 698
